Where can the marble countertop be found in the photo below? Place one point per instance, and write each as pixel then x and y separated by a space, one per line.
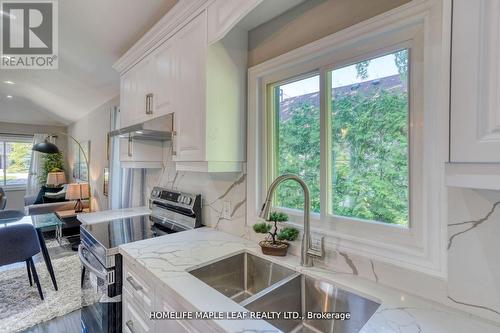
pixel 169 258
pixel 96 217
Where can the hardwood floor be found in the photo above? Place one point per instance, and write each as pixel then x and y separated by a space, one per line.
pixel 69 323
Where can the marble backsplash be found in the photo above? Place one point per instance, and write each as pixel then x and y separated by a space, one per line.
pixel 473 283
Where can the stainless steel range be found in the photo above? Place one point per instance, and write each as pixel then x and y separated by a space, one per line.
pixel 101 280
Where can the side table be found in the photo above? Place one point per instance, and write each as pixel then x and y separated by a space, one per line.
pixel 70 220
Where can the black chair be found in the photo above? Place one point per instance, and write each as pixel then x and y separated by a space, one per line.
pixel 19 242
pixel 3 199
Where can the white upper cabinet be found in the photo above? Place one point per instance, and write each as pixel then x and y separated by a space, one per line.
pixel 204 86
pixel 193 63
pixel 190 48
pixel 475 84
pixel 136 84
pixel 210 105
pixel 223 15
pixel 164 80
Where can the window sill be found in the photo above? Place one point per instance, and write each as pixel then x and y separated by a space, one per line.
pixel 407 257
pixel 14 188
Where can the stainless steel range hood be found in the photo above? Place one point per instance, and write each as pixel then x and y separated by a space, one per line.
pixel 158 129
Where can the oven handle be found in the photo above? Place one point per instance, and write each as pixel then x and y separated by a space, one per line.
pixel 89 266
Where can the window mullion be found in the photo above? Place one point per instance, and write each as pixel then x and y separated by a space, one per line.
pixel 4 164
pixel 325 142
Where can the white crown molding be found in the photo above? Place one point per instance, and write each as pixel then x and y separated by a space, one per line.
pixel 167 26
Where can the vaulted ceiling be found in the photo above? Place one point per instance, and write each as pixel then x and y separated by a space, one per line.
pixel 93 34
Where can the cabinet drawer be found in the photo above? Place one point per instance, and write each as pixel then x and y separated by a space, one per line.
pixel 135 319
pixel 139 289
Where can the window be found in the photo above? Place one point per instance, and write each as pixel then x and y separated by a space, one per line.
pixel 15 158
pixel 369 139
pixel 297 148
pixel 361 115
pixel 368 111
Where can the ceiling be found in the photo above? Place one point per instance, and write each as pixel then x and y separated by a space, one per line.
pixel 93 34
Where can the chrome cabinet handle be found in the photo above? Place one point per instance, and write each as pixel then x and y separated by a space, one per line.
pixel 134 284
pixel 149 103
pixel 130 325
pixel 129 148
pixel 174 135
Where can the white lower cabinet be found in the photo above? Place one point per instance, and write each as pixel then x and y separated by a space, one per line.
pixel 135 318
pixel 143 294
pixel 173 326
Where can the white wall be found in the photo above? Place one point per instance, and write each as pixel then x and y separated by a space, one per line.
pixel 15 198
pixel 310 21
pixel 94 127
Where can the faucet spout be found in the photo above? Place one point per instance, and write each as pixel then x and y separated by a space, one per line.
pixel 305 259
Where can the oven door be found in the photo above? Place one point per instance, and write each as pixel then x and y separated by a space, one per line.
pixel 101 296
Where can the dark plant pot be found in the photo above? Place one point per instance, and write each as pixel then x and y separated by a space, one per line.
pixel 279 249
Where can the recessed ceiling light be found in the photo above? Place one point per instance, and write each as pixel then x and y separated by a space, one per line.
pixel 9 82
pixel 139 132
pixel 9 96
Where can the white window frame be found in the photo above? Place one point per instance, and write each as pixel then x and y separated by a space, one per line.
pixel 5 138
pixel 418 26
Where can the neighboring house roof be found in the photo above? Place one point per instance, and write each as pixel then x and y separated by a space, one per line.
pixel 371 87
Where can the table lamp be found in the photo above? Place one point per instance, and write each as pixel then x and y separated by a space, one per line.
pixel 56 178
pixel 78 191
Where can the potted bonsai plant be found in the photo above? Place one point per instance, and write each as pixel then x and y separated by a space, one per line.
pixel 276 243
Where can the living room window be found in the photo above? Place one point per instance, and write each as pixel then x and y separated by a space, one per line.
pixel 15 159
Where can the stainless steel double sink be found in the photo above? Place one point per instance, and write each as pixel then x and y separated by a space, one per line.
pixel 261 285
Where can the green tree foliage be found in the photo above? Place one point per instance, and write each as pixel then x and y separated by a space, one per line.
pixel 362 69
pixel 50 163
pixel 370 167
pixel 369 151
pixel 19 157
pixel 299 153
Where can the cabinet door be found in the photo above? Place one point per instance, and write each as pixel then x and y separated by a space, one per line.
pixel 144 79
pixel 190 56
pixel 141 151
pixel 223 15
pixel 127 82
pixel 475 85
pixel 164 82
pixel 135 319
pixel 170 326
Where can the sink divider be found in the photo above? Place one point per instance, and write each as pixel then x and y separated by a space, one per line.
pixel 267 290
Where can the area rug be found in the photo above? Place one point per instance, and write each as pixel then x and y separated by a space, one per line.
pixel 20 305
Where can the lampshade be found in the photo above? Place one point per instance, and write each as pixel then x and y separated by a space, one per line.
pixel 77 191
pixel 56 178
pixel 45 147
